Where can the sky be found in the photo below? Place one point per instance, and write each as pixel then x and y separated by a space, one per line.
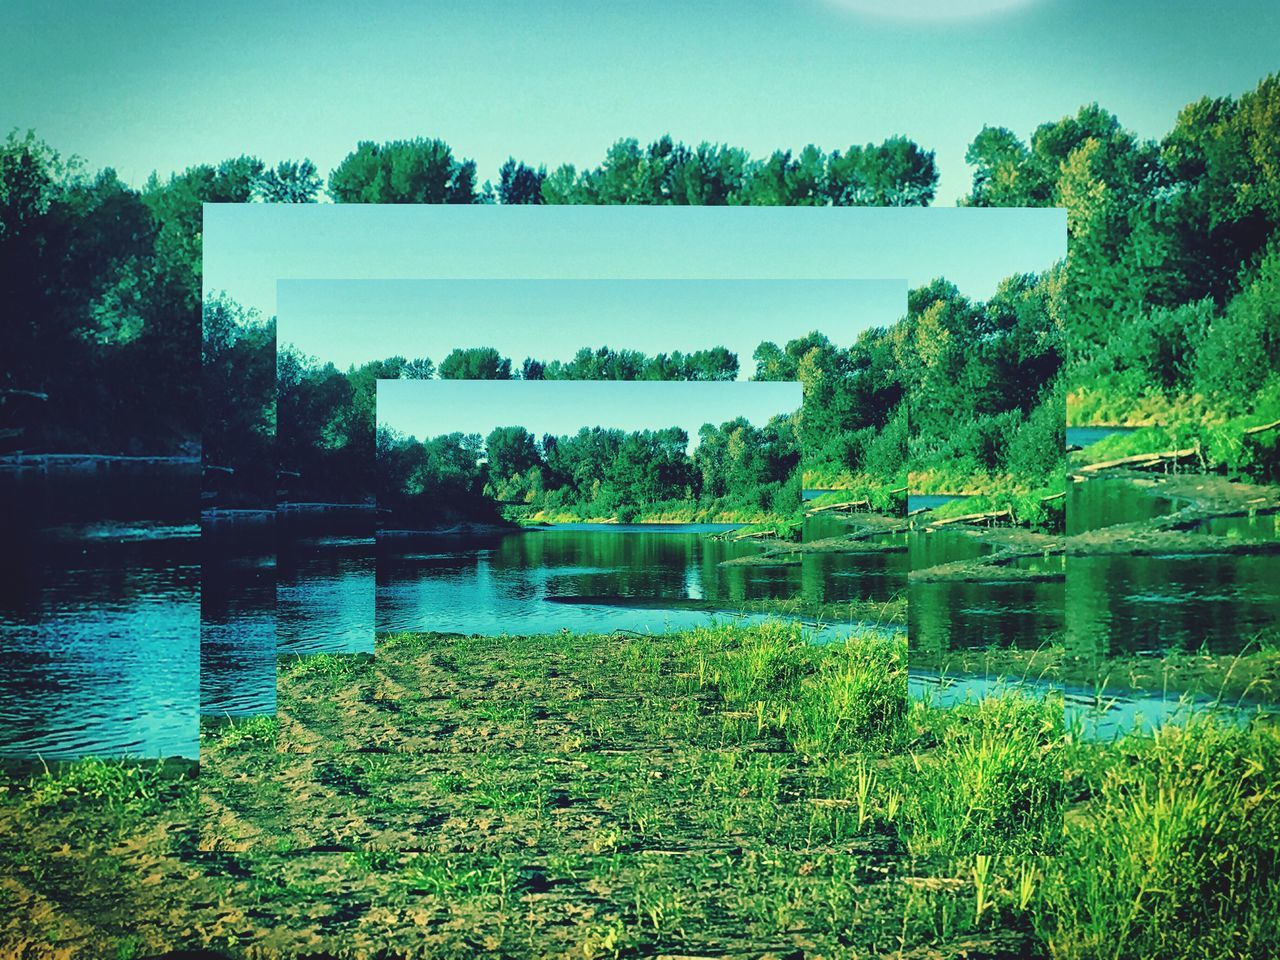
pixel 429 408
pixel 248 247
pixel 142 85
pixel 352 321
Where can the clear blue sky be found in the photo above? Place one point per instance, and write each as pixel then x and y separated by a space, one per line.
pixel 146 85
pixel 352 321
pixel 428 408
pixel 248 247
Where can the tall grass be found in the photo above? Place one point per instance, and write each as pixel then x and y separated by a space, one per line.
pixel 993 780
pixel 848 696
pixel 1176 852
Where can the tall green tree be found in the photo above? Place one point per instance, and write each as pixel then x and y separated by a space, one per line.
pixel 403 171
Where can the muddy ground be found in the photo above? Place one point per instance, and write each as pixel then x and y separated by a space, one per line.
pixel 1211 497
pixel 515 797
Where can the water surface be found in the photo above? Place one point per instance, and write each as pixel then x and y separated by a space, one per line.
pixel 1084 436
pixel 325 580
pixel 238 614
pixel 956 614
pixel 100 610
pixel 1094 715
pixel 1173 602
pixel 526 582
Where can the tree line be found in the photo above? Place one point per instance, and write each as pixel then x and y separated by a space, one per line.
pixel 737 471
pixel 1165 308
pixel 326 421
pixel 1170 297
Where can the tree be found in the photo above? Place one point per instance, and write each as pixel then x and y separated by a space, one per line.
pixel 289 182
pixel 403 171
pixel 475 363
pixel 897 173
pixel 510 451
pixel 520 183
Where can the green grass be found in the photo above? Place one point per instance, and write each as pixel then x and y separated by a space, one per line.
pixel 244 733
pixel 1221 440
pixel 332 665
pixel 1177 850
pixel 1028 506
pixel 659 788
pixel 994 782
pixel 138 787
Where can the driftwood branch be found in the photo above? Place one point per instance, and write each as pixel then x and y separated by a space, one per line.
pixel 755 535
pixel 1264 427
pixel 847 505
pixel 1141 461
pixel 988 516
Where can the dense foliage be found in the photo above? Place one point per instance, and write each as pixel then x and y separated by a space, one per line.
pixel 737 470
pixel 1172 292
pixel 852 422
pixel 1166 310
pixel 985 390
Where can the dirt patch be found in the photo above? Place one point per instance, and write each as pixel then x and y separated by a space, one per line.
pixel 514 797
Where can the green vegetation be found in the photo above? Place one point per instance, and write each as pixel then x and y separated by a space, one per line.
pixel 985 391
pixel 737 471
pixel 730 789
pixel 1166 303
pixel 1169 293
pixel 852 429
pixel 1221 443
pixel 1040 508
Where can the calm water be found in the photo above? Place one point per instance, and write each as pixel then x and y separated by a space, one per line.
pixel 1121 604
pixel 1106 501
pixel 1096 715
pixel 238 614
pixel 326 582
pixel 947 615
pixel 100 611
pixel 602 577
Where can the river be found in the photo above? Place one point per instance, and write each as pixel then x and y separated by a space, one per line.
pixel 603 577
pixel 1180 601
pixel 100 609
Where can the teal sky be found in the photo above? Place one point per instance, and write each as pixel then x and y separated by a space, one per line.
pixel 145 85
pixel 352 321
pixel 248 247
pixel 429 408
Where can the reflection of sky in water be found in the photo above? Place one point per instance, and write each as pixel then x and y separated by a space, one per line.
pixel 99 644
pixel 1096 716
pixel 526 582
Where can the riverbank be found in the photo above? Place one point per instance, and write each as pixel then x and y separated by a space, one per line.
pixel 1252 675
pixel 1016 555
pixel 887 614
pixel 867 540
pixel 1244 445
pixel 691 513
pixel 728 793
pixel 1019 554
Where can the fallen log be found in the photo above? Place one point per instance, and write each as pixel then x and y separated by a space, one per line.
pixel 847 505
pixel 1053 496
pixel 755 535
pixel 1264 427
pixel 988 516
pixel 1140 460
